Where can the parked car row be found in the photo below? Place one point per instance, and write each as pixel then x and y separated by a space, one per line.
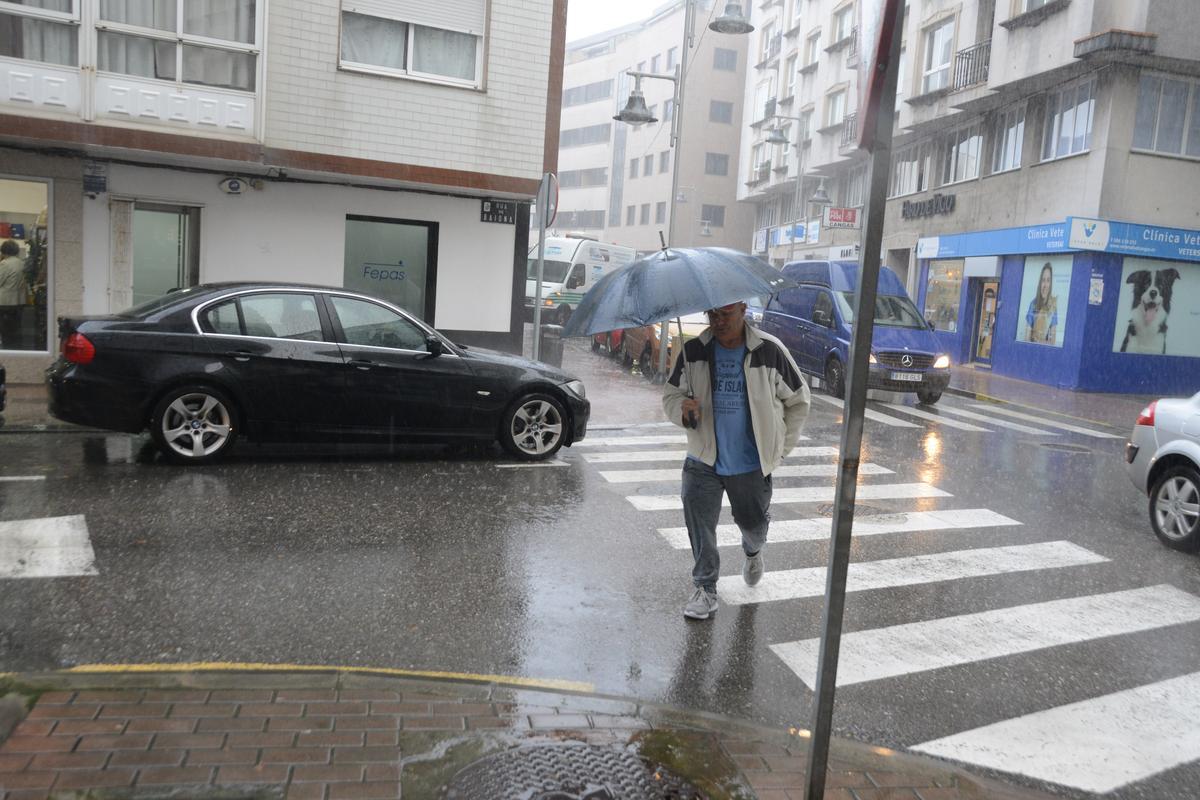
pixel 637 348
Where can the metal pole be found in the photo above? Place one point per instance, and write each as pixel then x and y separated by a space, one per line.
pixel 796 199
pixel 543 201
pixel 852 417
pixel 689 24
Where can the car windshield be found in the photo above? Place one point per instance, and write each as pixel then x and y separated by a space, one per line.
pixel 552 271
pixel 890 309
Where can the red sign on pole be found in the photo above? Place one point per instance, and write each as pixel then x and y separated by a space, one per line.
pixel 841 217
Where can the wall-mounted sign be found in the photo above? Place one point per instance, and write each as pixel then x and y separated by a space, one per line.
pixel 95 178
pixel 500 211
pixel 760 240
pixel 938 204
pixel 1096 290
pixel 1003 241
pixel 1175 244
pixel 847 252
pixel 840 217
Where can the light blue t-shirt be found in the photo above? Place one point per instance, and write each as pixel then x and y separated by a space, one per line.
pixel 736 449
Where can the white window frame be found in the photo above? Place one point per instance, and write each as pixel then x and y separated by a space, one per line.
pixel 1189 136
pixel 712 160
pixel 842 94
pixel 71 18
pixel 768 33
pixel 790 67
pixel 410 33
pixel 843 23
pixel 1052 120
pixel 956 142
pixel 916 178
pixel 812 48
pixel 1008 141
pixel 941 70
pixel 856 187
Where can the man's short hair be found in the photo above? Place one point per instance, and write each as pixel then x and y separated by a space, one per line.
pixel 9 248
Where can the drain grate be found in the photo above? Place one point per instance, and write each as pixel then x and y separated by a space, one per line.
pixel 1067 448
pixel 860 509
pixel 567 772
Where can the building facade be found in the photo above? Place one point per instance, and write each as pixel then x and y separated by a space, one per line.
pixel 389 146
pixel 615 180
pixel 1040 175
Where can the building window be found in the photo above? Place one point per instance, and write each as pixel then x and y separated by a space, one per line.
pixel 648 165
pixel 44 31
pixel 1032 5
pixel 654 63
pixel 939 50
pixel 672 57
pixel 716 164
pixel 835 108
pixel 630 215
pixel 580 137
pixel 25 275
pixel 856 181
pixel 901 76
pixel 943 293
pixel 580 219
pixel 633 167
pixel 768 36
pixel 660 213
pixel 720 111
pixel 911 168
pixel 713 215
pixel 1068 125
pixel 572 178
pixel 372 242
pixel 961 156
pixel 1168 116
pixel 664 161
pixel 725 59
pixel 843 23
pixel 1009 137
pixel 812 48
pixel 790 79
pixel 804 129
pixel 441 42
pixel 668 110
pixel 645 215
pixel 588 93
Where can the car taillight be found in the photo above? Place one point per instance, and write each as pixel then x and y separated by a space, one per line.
pixel 1147 415
pixel 78 349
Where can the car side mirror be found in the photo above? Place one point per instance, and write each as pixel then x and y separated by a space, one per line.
pixel 434 345
pixel 932 327
pixel 821 317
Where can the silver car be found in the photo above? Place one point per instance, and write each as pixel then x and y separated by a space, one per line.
pixel 1163 455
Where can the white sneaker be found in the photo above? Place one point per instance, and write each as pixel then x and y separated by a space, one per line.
pixel 752 570
pixel 702 605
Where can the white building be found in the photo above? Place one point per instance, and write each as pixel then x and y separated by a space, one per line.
pixel 390 146
pixel 616 180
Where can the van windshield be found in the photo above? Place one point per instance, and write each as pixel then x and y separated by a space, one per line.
pixel 891 310
pixel 552 271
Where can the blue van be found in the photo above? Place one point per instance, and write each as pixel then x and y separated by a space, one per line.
pixel 814 321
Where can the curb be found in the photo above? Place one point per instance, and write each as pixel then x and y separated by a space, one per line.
pixel 1001 401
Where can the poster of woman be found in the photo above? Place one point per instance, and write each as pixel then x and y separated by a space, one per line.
pixel 1045 292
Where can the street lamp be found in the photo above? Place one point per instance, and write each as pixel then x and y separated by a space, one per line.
pixel 636 113
pixel 820 196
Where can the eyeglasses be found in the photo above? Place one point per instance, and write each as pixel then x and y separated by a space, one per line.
pixel 725 313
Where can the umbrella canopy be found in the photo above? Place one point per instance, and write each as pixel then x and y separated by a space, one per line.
pixel 672 283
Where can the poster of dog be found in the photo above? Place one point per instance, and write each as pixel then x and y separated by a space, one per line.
pixel 1157 312
pixel 1045 292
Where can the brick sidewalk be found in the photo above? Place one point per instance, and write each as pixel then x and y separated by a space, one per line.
pixel 334 735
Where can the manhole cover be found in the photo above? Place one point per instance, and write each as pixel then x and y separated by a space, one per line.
pixel 1066 448
pixel 567 772
pixel 826 510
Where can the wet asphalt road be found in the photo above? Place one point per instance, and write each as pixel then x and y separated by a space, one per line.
pixel 459 561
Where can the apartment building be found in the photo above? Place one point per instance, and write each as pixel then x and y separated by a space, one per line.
pixel 615 180
pixel 1043 169
pixel 389 146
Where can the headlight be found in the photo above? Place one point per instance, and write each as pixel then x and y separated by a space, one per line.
pixel 576 388
pixel 871 359
pixel 942 362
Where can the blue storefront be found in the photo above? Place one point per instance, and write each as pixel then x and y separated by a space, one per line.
pixel 1085 304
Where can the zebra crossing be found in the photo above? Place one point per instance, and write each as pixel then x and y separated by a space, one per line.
pixel 1075 744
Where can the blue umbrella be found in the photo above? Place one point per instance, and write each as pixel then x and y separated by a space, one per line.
pixel 671 283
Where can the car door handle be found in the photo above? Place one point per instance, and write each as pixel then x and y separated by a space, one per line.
pixel 240 355
pixel 360 363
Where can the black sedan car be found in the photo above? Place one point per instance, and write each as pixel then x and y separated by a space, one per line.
pixel 203 366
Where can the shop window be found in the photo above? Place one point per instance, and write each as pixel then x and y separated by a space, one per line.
pixel 939 51
pixel 1045 292
pixel 24 265
pixel 1168 116
pixel 166 250
pixel 1068 124
pixel 1141 324
pixel 45 31
pixel 943 293
pixel 395 260
pixel 1008 140
pixel 400 39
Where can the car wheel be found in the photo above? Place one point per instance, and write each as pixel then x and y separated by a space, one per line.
pixel 835 377
pixel 928 397
pixel 1175 508
pixel 646 364
pixel 623 354
pixel 534 427
pixel 194 424
pixel 609 347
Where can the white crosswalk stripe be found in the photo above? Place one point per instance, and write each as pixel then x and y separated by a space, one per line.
pixel 784 471
pixel 869 413
pixel 50 547
pixel 807 494
pixel 863 576
pixel 819 528
pixel 945 408
pixel 1008 412
pixel 636 456
pixel 630 441
pixel 890 652
pixel 1096 745
pixel 950 423
pixel 21 478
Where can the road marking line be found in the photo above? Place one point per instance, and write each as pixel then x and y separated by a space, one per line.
pixel 14 478
pixel 679 455
pixel 820 528
pixel 869 413
pixel 950 423
pixel 806 494
pixel 910 571
pixel 1003 423
pixel 898 650
pixel 553 463
pixel 785 471
pixel 50 547
pixel 995 409
pixel 1097 745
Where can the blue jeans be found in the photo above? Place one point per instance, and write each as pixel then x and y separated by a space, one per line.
pixel 703 490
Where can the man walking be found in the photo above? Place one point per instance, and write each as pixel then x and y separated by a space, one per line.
pixel 740 396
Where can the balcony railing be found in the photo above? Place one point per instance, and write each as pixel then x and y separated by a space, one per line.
pixel 971 65
pixel 849 131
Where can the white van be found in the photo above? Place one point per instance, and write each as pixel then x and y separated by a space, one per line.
pixel 572 265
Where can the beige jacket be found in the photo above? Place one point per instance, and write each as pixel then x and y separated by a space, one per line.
pixel 12 281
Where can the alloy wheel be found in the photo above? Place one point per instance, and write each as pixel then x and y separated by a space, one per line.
pixel 196 425
pixel 1177 507
pixel 536 428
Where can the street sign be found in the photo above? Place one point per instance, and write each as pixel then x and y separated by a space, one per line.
pixel 501 211
pixel 841 217
pixel 548 189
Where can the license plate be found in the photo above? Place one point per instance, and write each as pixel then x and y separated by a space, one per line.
pixel 913 377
